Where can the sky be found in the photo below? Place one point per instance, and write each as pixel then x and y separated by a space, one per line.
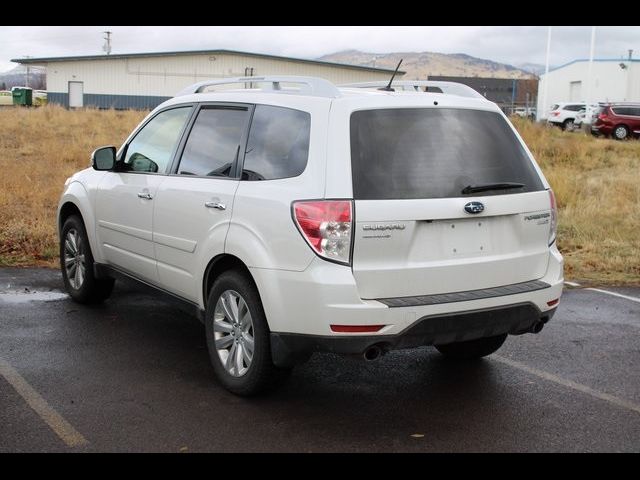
pixel 512 45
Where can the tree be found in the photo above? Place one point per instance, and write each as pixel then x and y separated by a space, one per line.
pixel 3 86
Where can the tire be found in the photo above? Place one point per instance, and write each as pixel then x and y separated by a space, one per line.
pixel 472 349
pixel 621 132
pixel 568 125
pixel 76 263
pixel 238 337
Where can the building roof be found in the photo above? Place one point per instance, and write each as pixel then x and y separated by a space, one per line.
pixel 617 60
pixel 197 52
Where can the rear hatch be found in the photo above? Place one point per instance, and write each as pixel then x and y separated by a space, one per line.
pixel 413 235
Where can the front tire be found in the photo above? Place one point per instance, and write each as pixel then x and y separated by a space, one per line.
pixel 76 263
pixel 473 348
pixel 238 336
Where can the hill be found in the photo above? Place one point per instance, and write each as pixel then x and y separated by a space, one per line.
pixel 419 65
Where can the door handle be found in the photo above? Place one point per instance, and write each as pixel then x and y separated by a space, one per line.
pixel 217 205
pixel 145 195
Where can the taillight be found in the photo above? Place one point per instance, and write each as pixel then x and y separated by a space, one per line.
pixel 554 218
pixel 555 114
pixel 326 225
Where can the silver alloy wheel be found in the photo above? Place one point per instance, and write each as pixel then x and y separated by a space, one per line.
pixel 233 333
pixel 621 133
pixel 74 260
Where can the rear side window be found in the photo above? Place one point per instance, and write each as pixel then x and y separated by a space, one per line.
pixel 555 106
pixel 435 153
pixel 278 144
pixel 627 111
pixel 214 142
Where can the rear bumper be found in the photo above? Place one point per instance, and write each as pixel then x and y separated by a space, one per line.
pixel 288 349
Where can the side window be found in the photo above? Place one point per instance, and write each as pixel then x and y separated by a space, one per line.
pixel 152 148
pixel 278 144
pixel 623 111
pixel 214 142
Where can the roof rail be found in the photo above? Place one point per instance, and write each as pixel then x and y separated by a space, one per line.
pixel 449 88
pixel 314 86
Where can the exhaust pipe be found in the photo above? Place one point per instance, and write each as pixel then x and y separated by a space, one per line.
pixel 372 353
pixel 537 327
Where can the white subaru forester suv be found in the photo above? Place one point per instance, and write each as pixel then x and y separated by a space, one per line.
pixel 300 217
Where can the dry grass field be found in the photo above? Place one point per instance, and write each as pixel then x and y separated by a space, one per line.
pixel 39 149
pixel 597 183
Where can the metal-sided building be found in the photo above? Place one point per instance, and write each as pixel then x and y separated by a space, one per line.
pixel 612 80
pixel 506 92
pixel 144 80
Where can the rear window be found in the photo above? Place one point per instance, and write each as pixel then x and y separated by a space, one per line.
pixel 435 153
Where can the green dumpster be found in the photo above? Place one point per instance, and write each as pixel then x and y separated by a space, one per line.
pixel 22 96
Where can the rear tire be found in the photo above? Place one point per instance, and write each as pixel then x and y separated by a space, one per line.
pixel 76 263
pixel 238 336
pixel 568 125
pixel 472 349
pixel 621 132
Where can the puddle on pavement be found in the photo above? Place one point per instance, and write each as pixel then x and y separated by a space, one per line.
pixel 31 296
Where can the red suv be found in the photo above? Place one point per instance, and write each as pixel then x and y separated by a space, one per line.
pixel 620 120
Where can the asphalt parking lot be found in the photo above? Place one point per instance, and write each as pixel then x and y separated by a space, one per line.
pixel 134 375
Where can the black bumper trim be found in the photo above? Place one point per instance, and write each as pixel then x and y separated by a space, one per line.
pixel 287 349
pixel 503 291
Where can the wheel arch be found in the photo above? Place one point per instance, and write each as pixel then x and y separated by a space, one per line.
pixel 67 209
pixel 75 200
pixel 216 267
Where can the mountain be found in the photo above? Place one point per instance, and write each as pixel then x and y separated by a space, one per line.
pixel 419 65
pixel 18 77
pixel 535 68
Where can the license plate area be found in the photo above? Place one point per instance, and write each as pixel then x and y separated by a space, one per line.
pixel 466 237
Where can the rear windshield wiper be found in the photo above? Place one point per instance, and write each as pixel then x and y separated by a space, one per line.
pixel 491 186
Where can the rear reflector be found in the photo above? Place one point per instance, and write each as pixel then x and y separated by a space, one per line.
pixel 553 302
pixel 356 328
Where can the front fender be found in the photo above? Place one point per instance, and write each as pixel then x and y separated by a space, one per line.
pixel 76 194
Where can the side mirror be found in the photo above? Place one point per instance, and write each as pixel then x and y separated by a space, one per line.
pixel 104 158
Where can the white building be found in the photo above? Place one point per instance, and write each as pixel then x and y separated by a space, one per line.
pixel 144 80
pixel 611 81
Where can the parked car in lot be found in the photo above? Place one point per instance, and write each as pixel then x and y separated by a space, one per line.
pixel 619 120
pixel 302 217
pixel 525 112
pixel 586 115
pixel 564 114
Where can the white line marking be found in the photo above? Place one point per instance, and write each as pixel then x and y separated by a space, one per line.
pixel 63 429
pixel 633 299
pixel 571 284
pixel 619 402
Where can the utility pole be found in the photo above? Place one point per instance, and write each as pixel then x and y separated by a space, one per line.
pixel 28 72
pixel 107 42
pixel 542 111
pixel 589 72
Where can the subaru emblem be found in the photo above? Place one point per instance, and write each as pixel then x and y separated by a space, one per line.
pixel 474 207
